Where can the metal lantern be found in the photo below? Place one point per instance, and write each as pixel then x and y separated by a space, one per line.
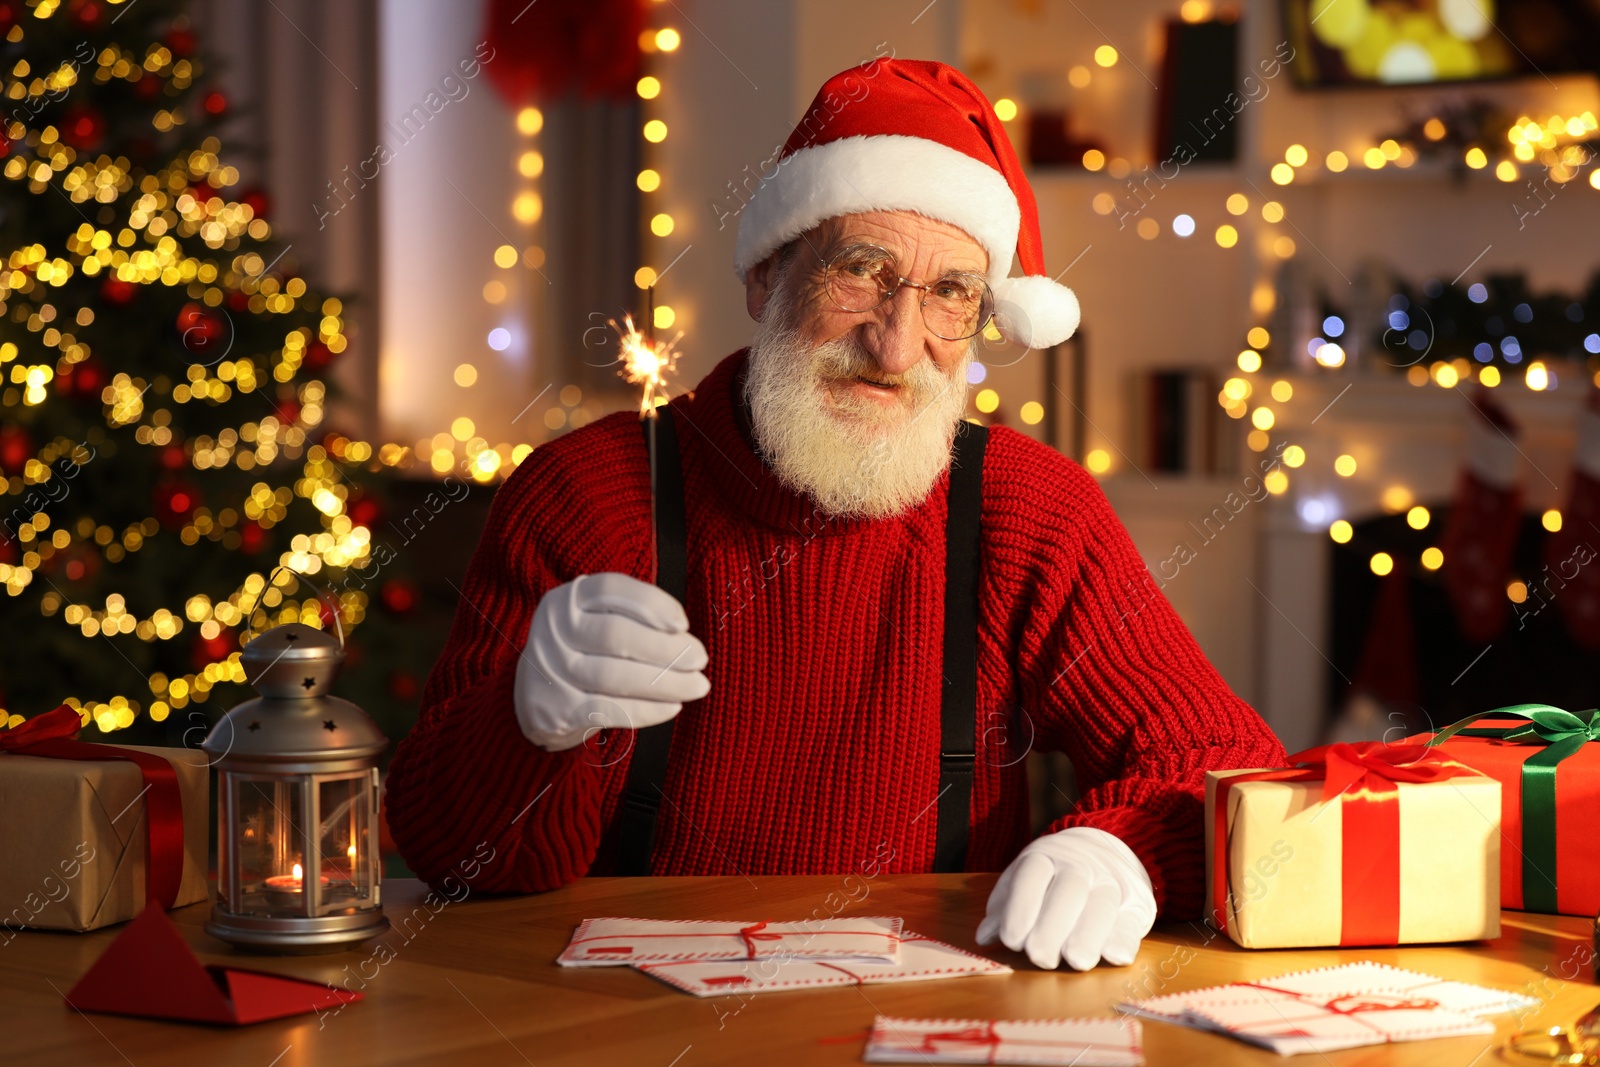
pixel 297 780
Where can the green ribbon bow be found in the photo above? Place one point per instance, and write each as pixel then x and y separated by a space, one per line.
pixel 1563 734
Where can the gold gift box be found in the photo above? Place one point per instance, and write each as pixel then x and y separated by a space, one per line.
pixel 1285 854
pixel 72 854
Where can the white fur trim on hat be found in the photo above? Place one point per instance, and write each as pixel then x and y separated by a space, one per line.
pixel 1034 311
pixel 888 172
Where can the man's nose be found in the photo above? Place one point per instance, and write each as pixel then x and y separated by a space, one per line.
pixel 898 338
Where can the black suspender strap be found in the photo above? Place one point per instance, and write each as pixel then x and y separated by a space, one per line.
pixel 958 709
pixel 647 773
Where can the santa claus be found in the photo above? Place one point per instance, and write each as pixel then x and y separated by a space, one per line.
pixel 865 607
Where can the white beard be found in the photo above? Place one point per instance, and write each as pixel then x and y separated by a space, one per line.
pixel 856 459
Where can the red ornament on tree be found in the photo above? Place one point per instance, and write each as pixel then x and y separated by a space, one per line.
pixel 288 410
pixel 318 356
pixel 200 330
pixel 251 538
pixel 174 503
pixel 86 14
pixel 174 458
pixel 215 103
pixel 403 685
pixel 116 291
pixel 256 200
pixel 83 381
pixel 365 512
pixel 207 650
pixel 16 448
pixel 148 87
pixel 238 302
pixel 83 127
pixel 181 41
pixel 398 596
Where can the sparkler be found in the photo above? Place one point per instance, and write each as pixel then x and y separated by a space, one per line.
pixel 646 363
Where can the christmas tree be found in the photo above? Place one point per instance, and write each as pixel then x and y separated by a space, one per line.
pixel 168 474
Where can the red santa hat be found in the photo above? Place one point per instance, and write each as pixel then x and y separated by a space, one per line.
pixel 913 135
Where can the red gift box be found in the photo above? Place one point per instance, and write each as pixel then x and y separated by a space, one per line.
pixel 1549 772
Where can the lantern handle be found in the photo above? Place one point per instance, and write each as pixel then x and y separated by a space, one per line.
pixel 315 585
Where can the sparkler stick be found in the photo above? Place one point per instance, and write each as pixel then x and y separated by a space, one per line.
pixel 646 363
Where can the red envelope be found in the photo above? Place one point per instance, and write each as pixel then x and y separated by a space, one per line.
pixel 149 970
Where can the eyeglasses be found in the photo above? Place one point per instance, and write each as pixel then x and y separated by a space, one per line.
pixel 864 277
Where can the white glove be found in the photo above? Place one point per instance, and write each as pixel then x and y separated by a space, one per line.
pixel 1078 895
pixel 605 650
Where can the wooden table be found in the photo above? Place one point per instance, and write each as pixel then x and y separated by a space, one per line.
pixel 476 984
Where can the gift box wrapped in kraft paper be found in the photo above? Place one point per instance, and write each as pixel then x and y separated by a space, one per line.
pixel 94 831
pixel 1357 844
pixel 1549 774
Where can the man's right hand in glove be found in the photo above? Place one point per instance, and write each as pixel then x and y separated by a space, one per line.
pixel 605 650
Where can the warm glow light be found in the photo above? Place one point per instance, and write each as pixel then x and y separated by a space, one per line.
pixel 466 374
pixel 1489 377
pixel 1396 498
pixel 648 180
pixel 1276 482
pixel 1476 158
pixel 1079 77
pixel 1283 246
pixel 1098 460
pixel 505 256
pixel 1282 391
pixel 1330 355
pixel 1238 204
pixel 668 39
pixel 655 131
pixel 1258 337
pixel 1373 158
pixel 1282 173
pixel 644 277
pixel 530 164
pixel 1258 440
pixel 1272 211
pixel 1345 465
pixel 649 88
pixel 1381 563
pixel 1341 531
pixel 1005 109
pixel 1417 518
pixel 1432 558
pixel 1445 375
pixel 1195 10
pixel 1551 520
pixel 1094 159
pixel 1294 456
pixel 1249 361
pixel 530 120
pixel 661 225
pixel 527 207
pixel 1433 130
pixel 986 400
pixel 1032 413
pixel 1262 419
pixel 1337 161
pixel 299 873
pixel 1105 55
pixel 1236 389
pixel 1537 377
pixel 1227 236
pixel 664 317
pixel 1506 171
pixel 1516 592
pixel 1296 155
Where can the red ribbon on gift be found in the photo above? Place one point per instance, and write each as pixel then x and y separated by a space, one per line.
pixel 51 736
pixel 969 1037
pixel 1364 777
pixel 752 933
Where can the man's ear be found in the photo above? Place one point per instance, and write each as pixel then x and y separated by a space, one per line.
pixel 759 282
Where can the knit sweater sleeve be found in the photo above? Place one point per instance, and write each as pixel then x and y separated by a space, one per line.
pixel 1114 677
pixel 465 780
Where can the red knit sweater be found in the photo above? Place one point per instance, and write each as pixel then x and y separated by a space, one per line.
pixel 817 748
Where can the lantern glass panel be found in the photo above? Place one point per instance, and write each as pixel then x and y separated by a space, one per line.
pixel 346 841
pixel 271 845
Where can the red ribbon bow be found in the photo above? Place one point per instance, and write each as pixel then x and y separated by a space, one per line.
pixel 752 933
pixel 1364 777
pixel 971 1036
pixel 51 736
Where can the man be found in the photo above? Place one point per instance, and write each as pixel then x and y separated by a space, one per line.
pixel 846 681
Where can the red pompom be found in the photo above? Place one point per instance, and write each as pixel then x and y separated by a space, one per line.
pixel 398 596
pixel 116 291
pixel 16 448
pixel 83 127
